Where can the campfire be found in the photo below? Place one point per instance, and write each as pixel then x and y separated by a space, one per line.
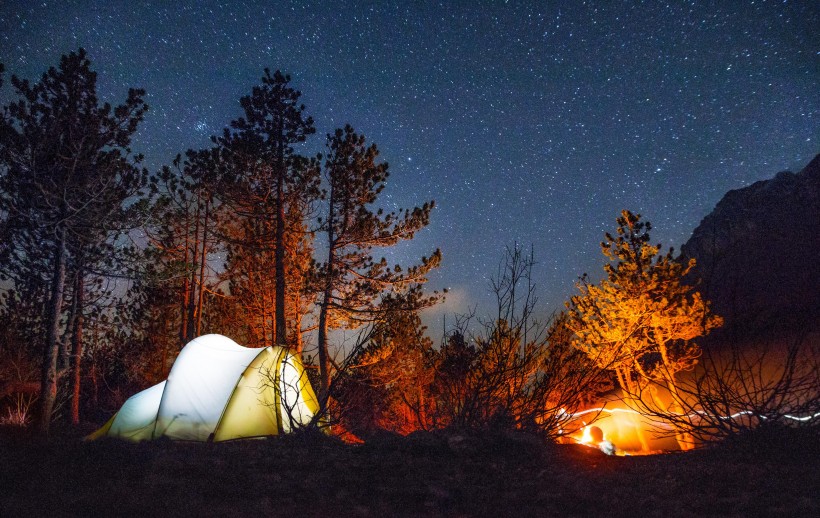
pixel 619 431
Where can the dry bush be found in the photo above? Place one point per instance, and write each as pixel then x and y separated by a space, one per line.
pixel 746 388
pixel 515 371
pixel 512 371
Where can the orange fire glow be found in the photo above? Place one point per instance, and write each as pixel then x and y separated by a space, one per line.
pixel 629 431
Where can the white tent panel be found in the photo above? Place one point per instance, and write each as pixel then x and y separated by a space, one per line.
pixel 136 418
pixel 199 386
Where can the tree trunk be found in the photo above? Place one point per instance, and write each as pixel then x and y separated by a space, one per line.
pixel 299 345
pixel 202 272
pixel 65 354
pixel 95 385
pixel 324 358
pixel 48 380
pixel 281 334
pixel 268 331
pixel 186 292
pixel 684 438
pixel 77 347
pixel 623 381
pixel 191 317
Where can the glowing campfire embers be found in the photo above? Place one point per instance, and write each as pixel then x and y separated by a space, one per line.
pixel 619 431
pixel 593 436
pixel 624 431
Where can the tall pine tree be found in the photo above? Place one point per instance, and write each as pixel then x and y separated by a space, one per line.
pixel 271 180
pixel 641 320
pixel 352 281
pixel 68 176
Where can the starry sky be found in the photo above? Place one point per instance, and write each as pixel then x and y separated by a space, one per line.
pixel 527 122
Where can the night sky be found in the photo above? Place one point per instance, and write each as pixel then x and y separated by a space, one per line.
pixel 528 122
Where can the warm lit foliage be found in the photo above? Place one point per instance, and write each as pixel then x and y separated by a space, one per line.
pixel 639 321
pixel 387 385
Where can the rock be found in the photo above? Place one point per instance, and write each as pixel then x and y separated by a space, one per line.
pixel 757 256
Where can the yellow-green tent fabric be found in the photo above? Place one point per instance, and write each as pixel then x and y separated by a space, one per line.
pixel 218 390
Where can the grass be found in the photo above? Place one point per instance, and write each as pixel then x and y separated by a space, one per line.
pixel 424 474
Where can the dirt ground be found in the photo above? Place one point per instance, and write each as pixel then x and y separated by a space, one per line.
pixel 424 474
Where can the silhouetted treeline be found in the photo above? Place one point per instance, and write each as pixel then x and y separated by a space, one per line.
pixel 109 270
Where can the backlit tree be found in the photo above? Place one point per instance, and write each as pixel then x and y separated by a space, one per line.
pixel 271 184
pixel 352 281
pixel 67 187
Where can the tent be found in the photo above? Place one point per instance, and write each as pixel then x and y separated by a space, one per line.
pixel 218 390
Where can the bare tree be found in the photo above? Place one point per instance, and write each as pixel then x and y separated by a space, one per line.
pixel 744 388
pixel 516 371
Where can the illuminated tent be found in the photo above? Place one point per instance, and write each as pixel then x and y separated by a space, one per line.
pixel 218 390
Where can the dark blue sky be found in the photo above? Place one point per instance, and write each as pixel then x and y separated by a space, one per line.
pixel 528 122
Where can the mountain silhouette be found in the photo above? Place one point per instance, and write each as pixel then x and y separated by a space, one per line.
pixel 758 257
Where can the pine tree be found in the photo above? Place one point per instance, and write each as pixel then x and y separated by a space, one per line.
pixel 641 319
pixel 271 179
pixel 352 281
pixel 67 177
pixel 186 235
